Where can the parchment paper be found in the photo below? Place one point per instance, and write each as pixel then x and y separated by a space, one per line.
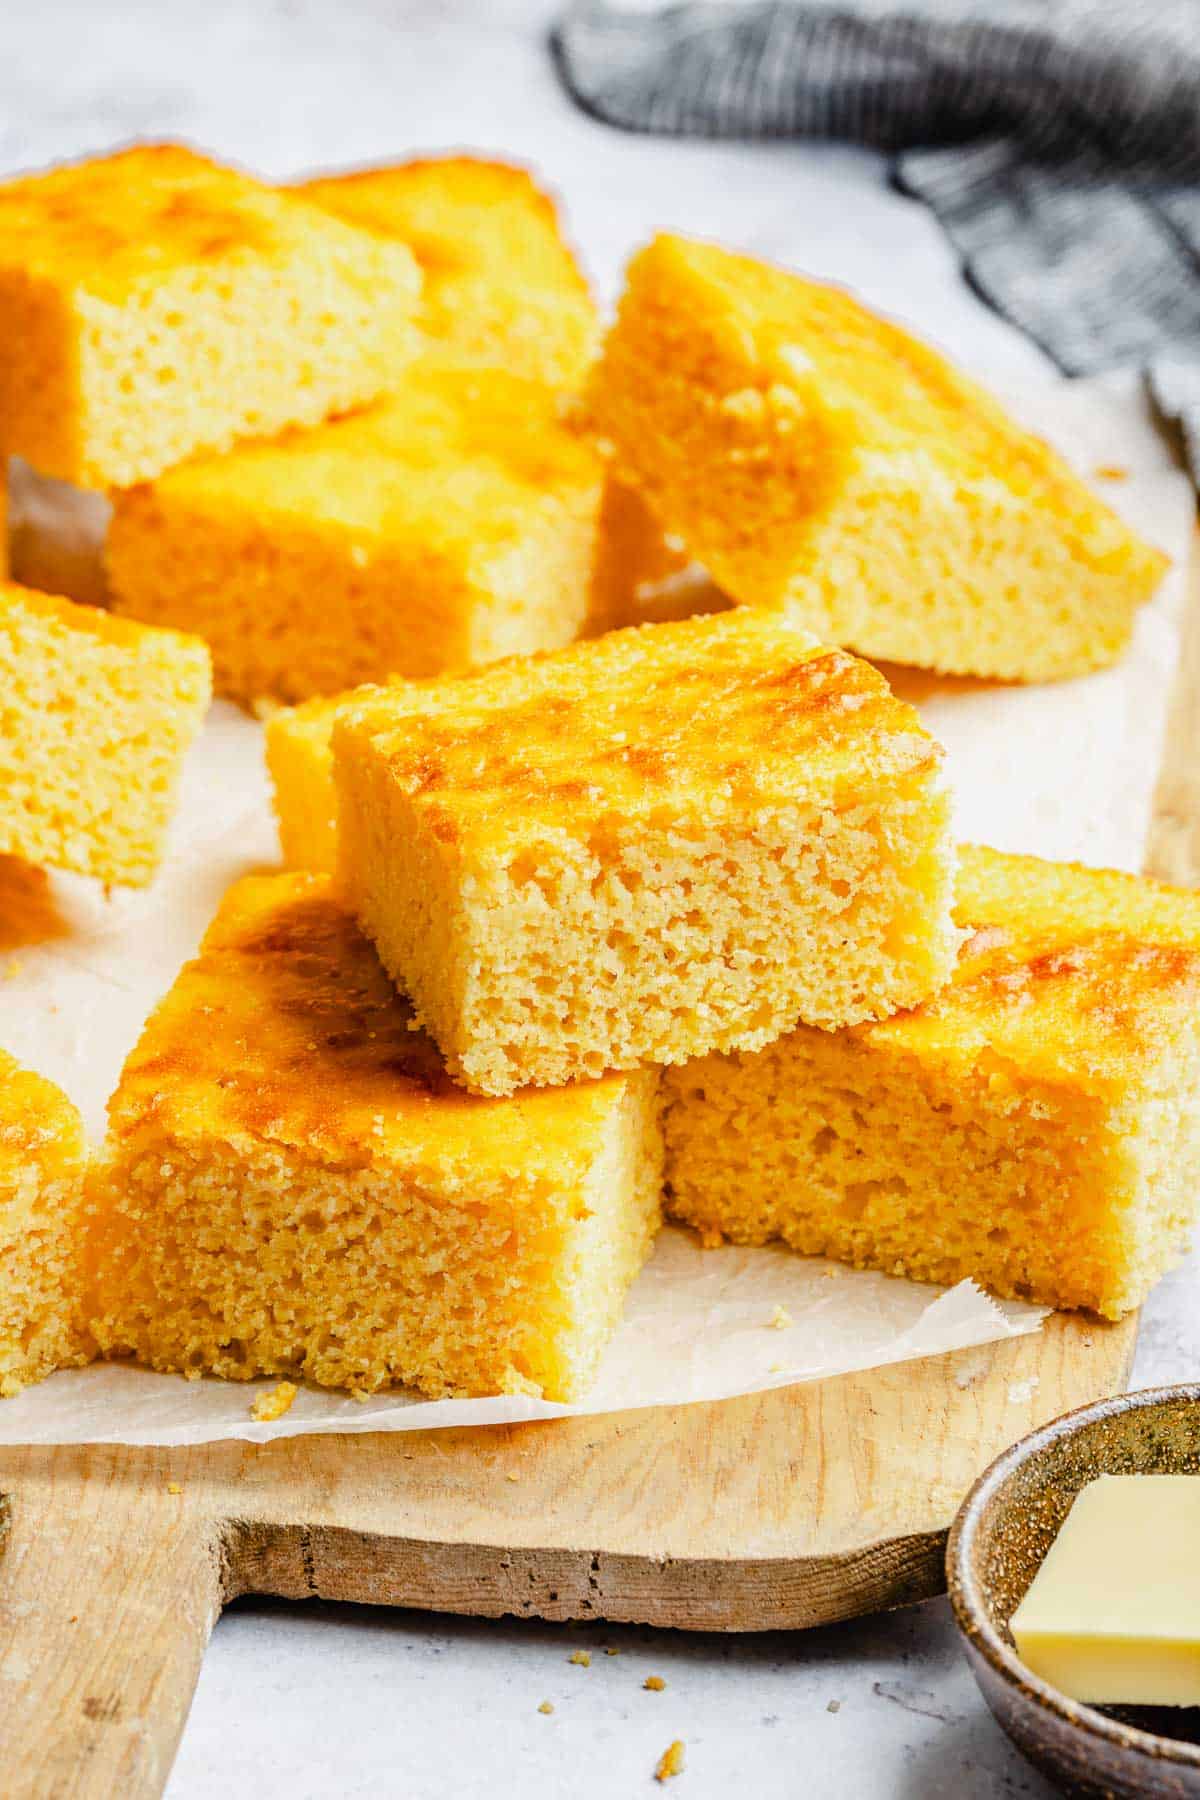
pixel 1066 770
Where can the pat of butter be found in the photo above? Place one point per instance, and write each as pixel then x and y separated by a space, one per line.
pixel 1113 1614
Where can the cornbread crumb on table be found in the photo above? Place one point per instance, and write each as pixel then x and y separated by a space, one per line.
pixel 814 456
pixel 273 1403
pixel 294 1186
pixel 1035 1127
pixel 547 1706
pixel 670 1762
pixel 98 713
pixel 582 1657
pixel 655 1683
pixel 446 527
pixel 670 838
pixel 42 1163
pixel 153 304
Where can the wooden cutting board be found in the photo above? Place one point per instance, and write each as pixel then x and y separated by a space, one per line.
pixel 779 1510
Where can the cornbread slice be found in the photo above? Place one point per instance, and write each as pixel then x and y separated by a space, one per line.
pixel 295 1186
pixel 448 526
pixel 815 456
pixel 95 716
pixel 673 837
pixel 1036 1126
pixel 42 1161
pixel 501 283
pixel 153 304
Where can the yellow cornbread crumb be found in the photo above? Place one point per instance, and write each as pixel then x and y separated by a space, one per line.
pixel 582 1657
pixel 670 837
pixel 501 284
pixel 42 1164
pixel 98 713
pixel 611 1652
pixel 446 527
pixel 655 1683
pixel 153 304
pixel 374 1224
pixel 1036 1126
pixel 273 1403
pixel 815 457
pixel 670 1762
pixel 780 1319
pixel 173 1487
pixel 547 1706
pixel 512 1476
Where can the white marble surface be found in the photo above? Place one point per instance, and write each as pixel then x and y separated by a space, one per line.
pixel 303 1701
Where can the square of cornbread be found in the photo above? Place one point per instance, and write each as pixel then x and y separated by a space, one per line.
pixel 97 713
pixel 1035 1127
pixel 502 285
pixel 813 455
pixel 42 1161
pixel 293 1184
pixel 153 304
pixel 674 836
pixel 447 526
pixel 500 282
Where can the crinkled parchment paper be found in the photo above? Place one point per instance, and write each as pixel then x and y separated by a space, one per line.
pixel 1066 770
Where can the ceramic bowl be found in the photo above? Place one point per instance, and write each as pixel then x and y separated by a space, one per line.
pixel 1007 1523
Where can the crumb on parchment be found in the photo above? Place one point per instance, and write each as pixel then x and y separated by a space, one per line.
pixel 655 1683
pixel 272 1404
pixel 670 1762
pixel 780 1319
pixel 582 1657
pixel 547 1706
pixel 173 1487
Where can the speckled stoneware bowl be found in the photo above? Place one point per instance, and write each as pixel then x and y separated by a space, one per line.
pixel 1006 1525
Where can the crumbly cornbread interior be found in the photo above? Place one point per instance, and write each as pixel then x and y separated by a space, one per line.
pixel 447 526
pixel 156 304
pixel 671 837
pixel 97 714
pixel 42 1158
pixel 1035 1126
pixel 814 455
pixel 501 283
pixel 294 1184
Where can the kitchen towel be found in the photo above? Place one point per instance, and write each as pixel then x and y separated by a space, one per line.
pixel 1058 141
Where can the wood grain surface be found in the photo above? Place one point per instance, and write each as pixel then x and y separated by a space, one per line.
pixel 778 1510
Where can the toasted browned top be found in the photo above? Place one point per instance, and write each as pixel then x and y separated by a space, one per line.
pixel 37 1123
pixel 702 717
pixel 285 1031
pixel 1070 974
pixel 113 224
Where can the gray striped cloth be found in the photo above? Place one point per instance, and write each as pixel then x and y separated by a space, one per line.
pixel 1058 141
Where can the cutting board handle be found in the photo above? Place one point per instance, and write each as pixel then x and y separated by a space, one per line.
pixel 109 1589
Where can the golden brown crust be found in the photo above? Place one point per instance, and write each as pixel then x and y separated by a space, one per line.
pixel 286 1030
pixel 674 716
pixel 1072 974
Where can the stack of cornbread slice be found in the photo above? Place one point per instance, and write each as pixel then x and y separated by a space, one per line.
pixel 582 923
